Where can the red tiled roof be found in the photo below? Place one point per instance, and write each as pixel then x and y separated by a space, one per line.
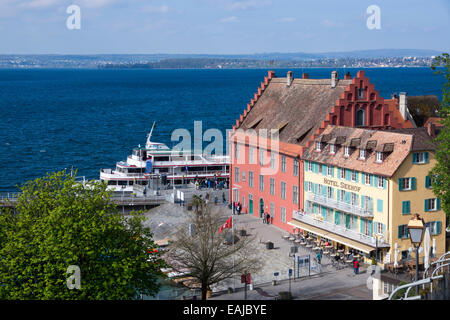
pixel 399 145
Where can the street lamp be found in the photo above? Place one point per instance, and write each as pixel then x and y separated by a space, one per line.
pixel 416 227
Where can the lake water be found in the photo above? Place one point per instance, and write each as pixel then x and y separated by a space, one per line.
pixel 51 119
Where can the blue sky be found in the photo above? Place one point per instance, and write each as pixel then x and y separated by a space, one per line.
pixel 221 26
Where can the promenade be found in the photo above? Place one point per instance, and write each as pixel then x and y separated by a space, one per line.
pixel 330 283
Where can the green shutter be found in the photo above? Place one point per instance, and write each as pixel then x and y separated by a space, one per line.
pixel 413 183
pixel 363 203
pixel 361 225
pixel 347 174
pixel 336 217
pixel 438 204
pixel 400 183
pixel 338 195
pixel 339 172
pixel 347 196
pixel 306 166
pixel 363 178
pixel 426 205
pixel 306 186
pixel 371 180
pixel 376 181
pixel 404 207
pixel 385 182
pixel 357 177
pixel 426 157
pixel 332 172
pixel 371 205
pixel 324 170
pixel 438 227
pixel 399 234
pixel 370 228
pixel 379 205
pixel 414 160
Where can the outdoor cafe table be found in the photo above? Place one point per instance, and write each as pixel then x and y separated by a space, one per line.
pixel 309 245
pixel 333 255
pixel 291 238
pixel 286 237
pixel 297 241
pixel 316 248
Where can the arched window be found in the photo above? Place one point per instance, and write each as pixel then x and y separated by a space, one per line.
pixel 360 117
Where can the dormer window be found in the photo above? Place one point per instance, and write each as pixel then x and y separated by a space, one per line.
pixel 379 157
pixel 347 151
pixel 318 146
pixel 362 154
pixel 332 149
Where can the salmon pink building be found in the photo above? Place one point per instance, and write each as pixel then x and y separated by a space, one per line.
pixel 285 116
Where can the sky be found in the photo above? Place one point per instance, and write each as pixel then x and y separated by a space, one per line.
pixel 221 26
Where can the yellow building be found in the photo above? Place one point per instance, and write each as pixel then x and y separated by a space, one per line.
pixel 363 186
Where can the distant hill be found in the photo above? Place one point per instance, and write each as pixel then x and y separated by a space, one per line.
pixel 359 58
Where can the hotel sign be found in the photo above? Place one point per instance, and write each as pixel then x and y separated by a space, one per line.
pixel 341 185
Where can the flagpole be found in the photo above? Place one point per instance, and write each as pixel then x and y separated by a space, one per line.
pixel 234 276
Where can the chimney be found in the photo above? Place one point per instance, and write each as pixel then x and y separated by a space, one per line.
pixel 290 78
pixel 305 76
pixel 403 105
pixel 348 76
pixel 334 79
pixel 431 129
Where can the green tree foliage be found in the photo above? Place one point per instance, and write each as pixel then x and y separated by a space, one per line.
pixel 58 223
pixel 441 172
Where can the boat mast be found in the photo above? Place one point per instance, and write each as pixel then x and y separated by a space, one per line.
pixel 147 145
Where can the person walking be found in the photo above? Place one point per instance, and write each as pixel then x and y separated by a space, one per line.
pixel 356 266
pixel 268 218
pixel 319 257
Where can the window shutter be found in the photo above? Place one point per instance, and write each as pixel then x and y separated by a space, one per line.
pixel 370 205
pixel 414 158
pixel 385 182
pixel 363 178
pixel 336 217
pixel 338 195
pixel 371 180
pixel 370 228
pixel 363 203
pixel 413 183
pixel 376 181
pixel 339 172
pixel 347 174
pixel 347 196
pixel 399 235
pixel 426 205
pixel 332 172
pixel 400 183
pixel 357 177
pixel 324 170
pixel 403 207
pixel 426 157
pixel 427 181
pixel 438 204
pixel 306 186
pixel 438 227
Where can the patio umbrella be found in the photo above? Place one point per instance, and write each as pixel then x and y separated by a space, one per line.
pixel 434 247
pixel 395 255
pixel 427 247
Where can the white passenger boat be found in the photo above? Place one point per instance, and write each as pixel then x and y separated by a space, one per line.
pixel 158 161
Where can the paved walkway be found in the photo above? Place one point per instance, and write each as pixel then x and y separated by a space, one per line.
pixel 329 284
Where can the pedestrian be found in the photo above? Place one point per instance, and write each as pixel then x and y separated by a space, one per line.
pixel 356 266
pixel 224 200
pixel 264 217
pixel 319 257
pixel 216 200
pixel 271 217
pixel 268 217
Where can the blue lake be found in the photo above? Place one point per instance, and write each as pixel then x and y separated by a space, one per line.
pixel 51 119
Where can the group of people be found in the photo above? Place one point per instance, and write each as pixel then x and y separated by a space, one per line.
pixel 237 207
pixel 268 218
pixel 210 183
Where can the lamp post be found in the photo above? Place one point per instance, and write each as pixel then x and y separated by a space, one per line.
pixel 416 227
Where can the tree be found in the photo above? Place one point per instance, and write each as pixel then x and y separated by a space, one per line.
pixel 441 171
pixel 60 223
pixel 206 255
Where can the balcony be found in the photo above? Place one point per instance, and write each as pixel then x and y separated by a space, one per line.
pixel 316 221
pixel 339 205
